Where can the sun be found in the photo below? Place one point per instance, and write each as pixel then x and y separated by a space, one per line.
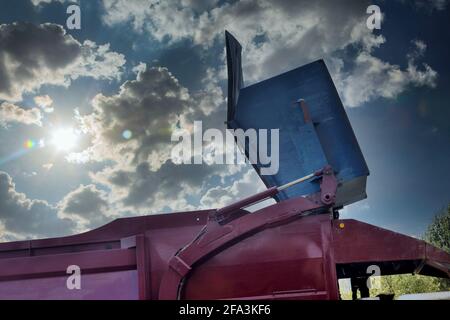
pixel 64 139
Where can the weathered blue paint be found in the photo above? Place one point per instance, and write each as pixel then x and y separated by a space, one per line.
pixel 304 146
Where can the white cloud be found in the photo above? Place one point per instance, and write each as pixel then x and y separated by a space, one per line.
pixel 22 217
pixel 140 67
pixel 431 4
pixel 142 175
pixel 48 166
pixel 35 55
pixel 84 208
pixel 221 196
pixel 11 113
pixel 149 107
pixel 42 2
pixel 280 35
pixel 44 102
pixel 86 205
pixel 276 36
pixel 371 77
pixel 440 4
pixel 290 33
pixel 151 191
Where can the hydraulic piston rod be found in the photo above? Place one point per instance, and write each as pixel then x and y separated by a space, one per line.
pixel 264 195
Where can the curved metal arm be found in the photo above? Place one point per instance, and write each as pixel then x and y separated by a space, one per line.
pixel 215 237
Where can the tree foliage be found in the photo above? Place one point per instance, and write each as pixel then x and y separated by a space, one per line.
pixel 406 284
pixel 437 234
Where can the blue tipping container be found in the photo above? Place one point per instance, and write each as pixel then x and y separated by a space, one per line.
pixel 309 138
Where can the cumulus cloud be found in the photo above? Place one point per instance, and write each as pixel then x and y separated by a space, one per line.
pixel 431 4
pixel 34 55
pixel 87 205
pixel 22 217
pixel 84 208
pixel 42 2
pixel 440 4
pixel 371 77
pixel 221 196
pixel 280 35
pixel 47 166
pixel 44 102
pixel 11 113
pixel 148 107
pixel 170 188
pixel 276 35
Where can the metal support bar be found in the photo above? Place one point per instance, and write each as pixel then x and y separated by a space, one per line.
pixel 221 214
pixel 300 180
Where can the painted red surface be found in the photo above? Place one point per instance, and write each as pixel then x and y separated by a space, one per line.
pixel 126 259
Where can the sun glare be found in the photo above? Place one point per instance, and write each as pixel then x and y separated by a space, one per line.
pixel 64 139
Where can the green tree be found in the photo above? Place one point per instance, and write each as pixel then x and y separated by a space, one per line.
pixel 407 283
pixel 438 234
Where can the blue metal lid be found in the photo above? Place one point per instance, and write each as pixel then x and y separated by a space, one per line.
pixel 312 133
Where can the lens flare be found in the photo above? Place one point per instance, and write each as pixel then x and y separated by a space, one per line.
pixel 127 134
pixel 29 144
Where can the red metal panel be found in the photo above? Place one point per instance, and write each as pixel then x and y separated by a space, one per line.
pixel 215 237
pixel 54 265
pixel 285 262
pixel 295 260
pixel 292 295
pixel 329 265
pixel 163 244
pixel 143 267
pixel 105 235
pixel 355 241
pixel 119 285
pixel 358 242
pixel 434 254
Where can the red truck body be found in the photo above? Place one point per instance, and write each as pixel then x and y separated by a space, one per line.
pixel 127 258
